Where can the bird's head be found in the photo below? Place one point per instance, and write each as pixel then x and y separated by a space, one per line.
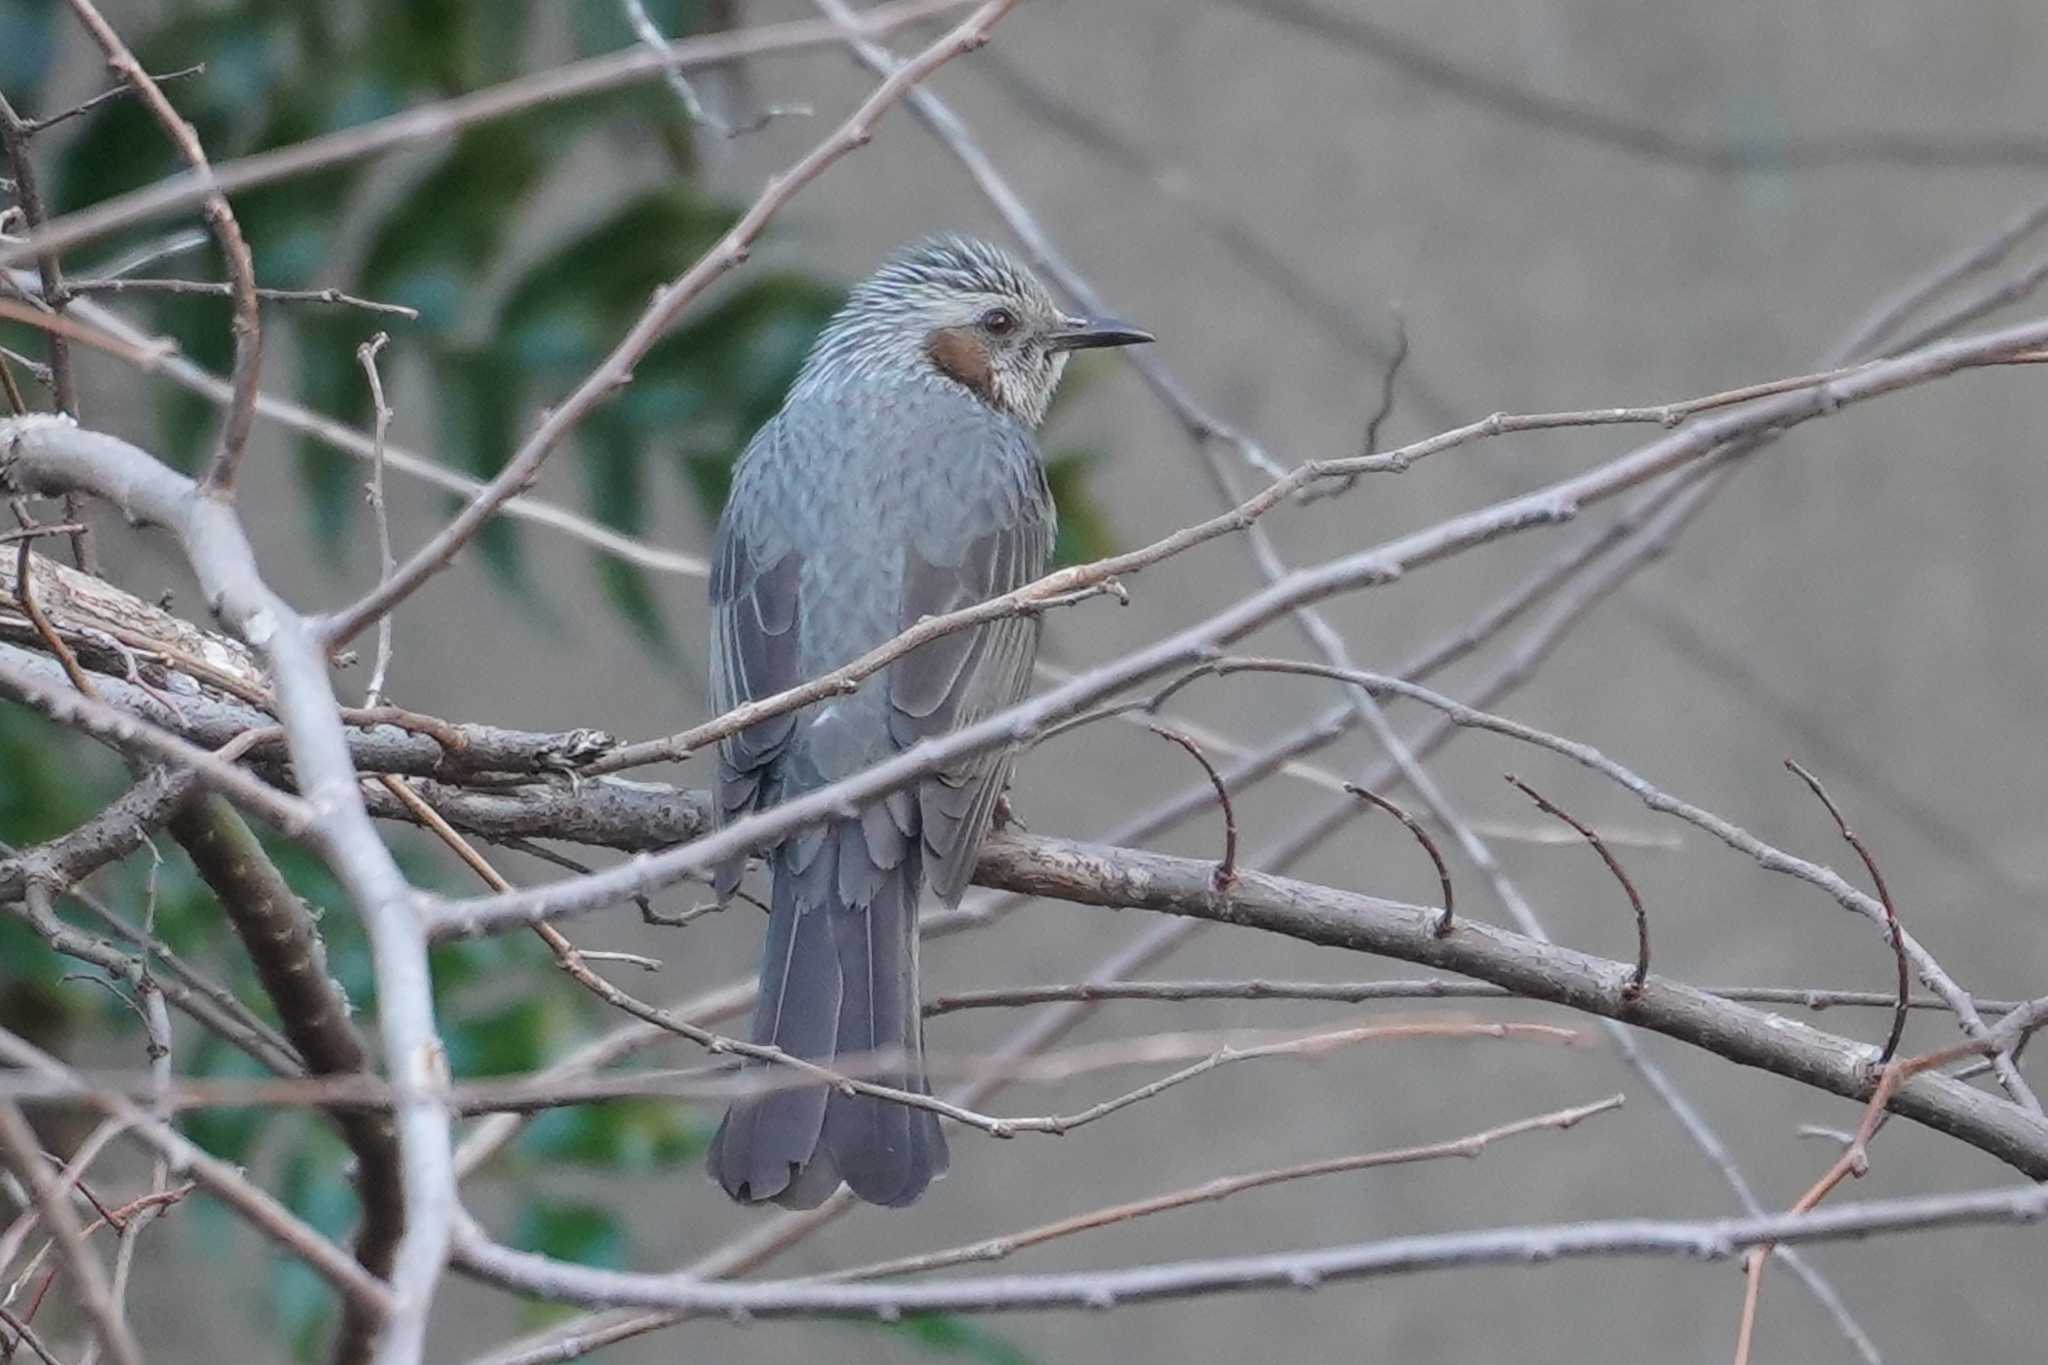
pixel 964 311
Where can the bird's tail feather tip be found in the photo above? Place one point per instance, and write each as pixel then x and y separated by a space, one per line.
pixel 892 1175
pixel 839 975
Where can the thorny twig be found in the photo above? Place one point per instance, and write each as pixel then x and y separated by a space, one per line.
pixel 1226 869
pixel 1634 986
pixel 1443 924
pixel 1884 895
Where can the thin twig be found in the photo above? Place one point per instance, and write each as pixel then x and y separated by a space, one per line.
pixel 1634 985
pixel 1443 924
pixel 15 133
pixel 221 1179
pixel 24 1333
pixel 1210 1191
pixel 1797 400
pixel 37 125
pixel 1226 870
pixel 1884 895
pixel 88 1279
pixel 47 453
pixel 648 32
pixel 247 327
pixel 356 445
pixel 226 289
pixel 25 597
pixel 387 563
pixel 1766 855
pixel 1854 1160
pixel 1557 116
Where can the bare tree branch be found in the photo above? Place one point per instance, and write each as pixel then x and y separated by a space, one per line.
pixel 434 122
pixel 220 219
pixel 668 304
pixel 1703 1240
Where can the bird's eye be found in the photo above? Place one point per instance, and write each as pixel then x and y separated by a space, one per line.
pixel 999 322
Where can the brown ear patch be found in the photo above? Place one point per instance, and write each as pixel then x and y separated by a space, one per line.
pixel 962 355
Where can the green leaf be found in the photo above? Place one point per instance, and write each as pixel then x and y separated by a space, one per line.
pixel 471 961
pixel 501 1042
pixel 26 50
pixel 612 467
pixel 54 779
pixel 708 387
pixel 956 1338
pixel 480 401
pixel 317 1190
pixel 27 956
pixel 303 1306
pixel 433 247
pixel 569 1231
pixel 633 1136
pixel 122 148
pixel 1084 526
pixel 292 224
pixel 452 45
pixel 573 303
pixel 751 346
pixel 227 1133
pixel 315 1187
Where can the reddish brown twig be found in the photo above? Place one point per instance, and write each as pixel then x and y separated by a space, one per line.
pixel 1443 873
pixel 1226 870
pixel 1854 1160
pixel 25 597
pixel 234 249
pixel 1634 987
pixel 15 403
pixel 1884 896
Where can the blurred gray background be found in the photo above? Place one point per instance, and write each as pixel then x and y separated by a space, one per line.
pixel 1865 596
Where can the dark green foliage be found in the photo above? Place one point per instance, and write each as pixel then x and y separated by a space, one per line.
pixel 957 1339
pixel 635 1136
pixel 571 1231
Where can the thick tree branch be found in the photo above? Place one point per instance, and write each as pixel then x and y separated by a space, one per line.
pixel 283 942
pixel 1538 971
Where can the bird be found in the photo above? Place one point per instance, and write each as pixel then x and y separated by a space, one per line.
pixel 901 478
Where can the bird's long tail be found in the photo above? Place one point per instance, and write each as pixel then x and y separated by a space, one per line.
pixel 838 979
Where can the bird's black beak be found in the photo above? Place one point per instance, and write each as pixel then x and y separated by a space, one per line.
pixel 1085 334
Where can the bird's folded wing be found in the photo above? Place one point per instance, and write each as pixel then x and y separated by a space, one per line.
pixel 961 678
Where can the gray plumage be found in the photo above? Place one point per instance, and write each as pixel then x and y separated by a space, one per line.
pixel 901 479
